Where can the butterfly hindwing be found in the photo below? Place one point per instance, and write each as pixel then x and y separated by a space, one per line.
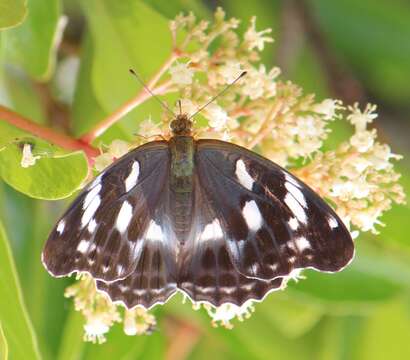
pixel 154 278
pixel 206 271
pixel 273 223
pixel 103 231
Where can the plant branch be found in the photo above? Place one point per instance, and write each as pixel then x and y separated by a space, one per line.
pixel 141 97
pixel 45 133
pixel 267 125
pixel 123 110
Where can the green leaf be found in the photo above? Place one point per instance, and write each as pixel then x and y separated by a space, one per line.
pixel 339 338
pixel 127 347
pixel 14 319
pixel 12 13
pixel 261 338
pixel 72 345
pixel 33 44
pixel 292 317
pixel 4 347
pixel 379 53
pixel 119 37
pixel 20 95
pixel 172 8
pixel 370 280
pixel 86 110
pixel 386 335
pixel 55 175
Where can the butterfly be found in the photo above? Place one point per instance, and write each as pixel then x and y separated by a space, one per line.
pixel 205 217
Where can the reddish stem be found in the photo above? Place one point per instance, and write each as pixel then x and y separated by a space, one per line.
pixel 102 126
pixel 142 96
pixel 45 133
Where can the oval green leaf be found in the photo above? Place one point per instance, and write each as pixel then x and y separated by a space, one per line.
pixel 56 175
pixel 32 45
pixel 12 13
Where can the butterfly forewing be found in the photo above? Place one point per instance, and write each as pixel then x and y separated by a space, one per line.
pixel 103 232
pixel 272 222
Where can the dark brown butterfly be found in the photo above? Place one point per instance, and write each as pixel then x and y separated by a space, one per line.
pixel 205 217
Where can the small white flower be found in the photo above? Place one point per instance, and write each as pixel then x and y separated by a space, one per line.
pixel 295 275
pixel 148 128
pixel 224 313
pixel 256 39
pixel 118 148
pixel 363 140
pixel 95 329
pixel 253 84
pixel 102 161
pixel 181 74
pixel 328 108
pixel 230 71
pixel 381 155
pixel 138 321
pixel 28 159
pixel 217 117
pixel 187 107
pixel 359 118
pixel 366 219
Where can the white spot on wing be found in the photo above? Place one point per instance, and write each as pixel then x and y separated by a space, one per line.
pixel 124 217
pixel 91 195
pixel 61 226
pixel 292 180
pixel 132 178
pixel 296 208
pixel 252 215
pixel 82 246
pixel 91 226
pixel 297 194
pixel 212 231
pixel 302 243
pixel 332 222
pixel 154 232
pixel 293 223
pixel 90 211
pixel 243 176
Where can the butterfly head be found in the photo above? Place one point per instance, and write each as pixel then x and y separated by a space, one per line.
pixel 181 125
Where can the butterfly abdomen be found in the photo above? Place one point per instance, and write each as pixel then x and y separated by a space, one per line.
pixel 182 169
pixel 182 163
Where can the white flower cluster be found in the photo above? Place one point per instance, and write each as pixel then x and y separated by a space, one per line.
pixel 100 313
pixel 358 177
pixel 275 117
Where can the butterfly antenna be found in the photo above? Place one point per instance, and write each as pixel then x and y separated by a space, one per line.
pixel 180 107
pixel 219 94
pixel 164 104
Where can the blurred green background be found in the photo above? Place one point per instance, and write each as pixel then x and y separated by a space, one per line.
pixel 347 49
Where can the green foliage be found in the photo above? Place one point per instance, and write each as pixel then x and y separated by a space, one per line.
pixel 39 181
pixel 380 53
pixel 361 313
pixel 32 44
pixel 12 13
pixel 16 329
